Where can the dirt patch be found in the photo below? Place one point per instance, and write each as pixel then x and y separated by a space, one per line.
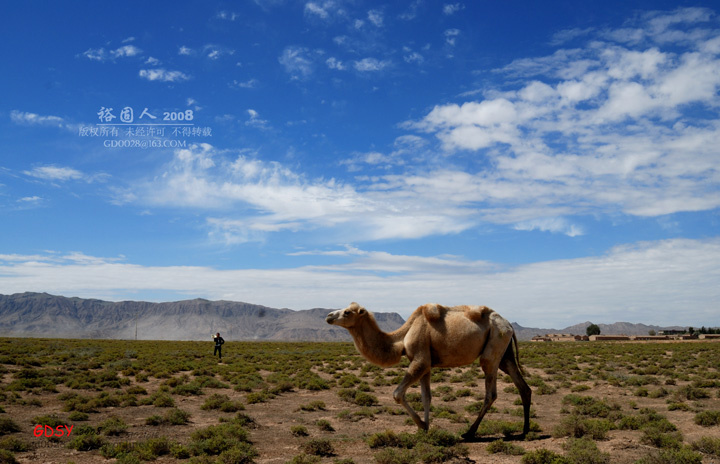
pixel 291 418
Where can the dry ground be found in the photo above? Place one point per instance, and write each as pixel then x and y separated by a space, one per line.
pixel 276 443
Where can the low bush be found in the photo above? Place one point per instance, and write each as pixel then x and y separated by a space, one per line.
pixel 672 456
pixel 8 425
pixel 585 451
pixel 708 445
pixel 501 447
pixel 544 456
pixel 318 447
pixel 707 418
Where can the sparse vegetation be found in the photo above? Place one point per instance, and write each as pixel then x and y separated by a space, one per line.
pixel 335 394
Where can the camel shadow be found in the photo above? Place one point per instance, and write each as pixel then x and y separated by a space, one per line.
pixel 514 437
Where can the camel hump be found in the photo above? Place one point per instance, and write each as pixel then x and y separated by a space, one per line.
pixel 478 314
pixel 433 312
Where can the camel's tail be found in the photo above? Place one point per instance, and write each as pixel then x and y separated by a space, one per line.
pixel 517 354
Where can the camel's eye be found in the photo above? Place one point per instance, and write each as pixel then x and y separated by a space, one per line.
pixel 346 312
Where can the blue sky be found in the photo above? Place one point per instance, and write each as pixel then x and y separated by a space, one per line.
pixel 556 161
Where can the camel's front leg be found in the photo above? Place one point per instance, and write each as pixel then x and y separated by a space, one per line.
pixel 415 372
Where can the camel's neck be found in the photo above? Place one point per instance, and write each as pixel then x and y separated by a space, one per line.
pixel 375 345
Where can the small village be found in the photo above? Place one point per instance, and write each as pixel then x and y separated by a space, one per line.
pixel 660 336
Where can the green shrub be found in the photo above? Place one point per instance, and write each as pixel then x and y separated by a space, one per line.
pixel 575 426
pixel 49 419
pixel 672 456
pixel 313 406
pixel 708 445
pixel 8 425
pixel 216 439
pixel 325 425
pixel 585 451
pixel 6 457
pixel 304 459
pixel 543 456
pixel 501 447
pixel 223 403
pixel 708 418
pixel 77 416
pixel 299 431
pixel 13 444
pixel 86 442
pixel 318 447
pixel 162 400
pixel 655 436
pixel 113 426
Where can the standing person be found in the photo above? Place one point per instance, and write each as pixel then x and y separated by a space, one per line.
pixel 218 345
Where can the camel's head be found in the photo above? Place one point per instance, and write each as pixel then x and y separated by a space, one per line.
pixel 347 317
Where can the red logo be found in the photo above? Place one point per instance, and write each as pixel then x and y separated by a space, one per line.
pixel 47 431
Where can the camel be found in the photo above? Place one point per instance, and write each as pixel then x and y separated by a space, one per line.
pixel 439 336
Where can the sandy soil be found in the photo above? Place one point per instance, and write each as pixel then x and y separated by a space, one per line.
pixel 276 443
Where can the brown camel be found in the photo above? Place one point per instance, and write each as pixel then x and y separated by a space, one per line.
pixel 439 336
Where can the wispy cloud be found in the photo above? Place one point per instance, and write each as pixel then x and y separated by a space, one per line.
pixel 63 174
pixel 371 65
pixel 450 9
pixel 163 75
pixel 642 277
pixel 297 61
pixel 26 118
pixel 606 128
pixel 101 54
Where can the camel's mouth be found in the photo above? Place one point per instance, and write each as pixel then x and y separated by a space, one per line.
pixel 330 319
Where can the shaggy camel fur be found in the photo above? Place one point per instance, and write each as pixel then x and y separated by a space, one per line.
pixel 438 336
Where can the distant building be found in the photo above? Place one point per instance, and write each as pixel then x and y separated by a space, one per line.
pixel 559 338
pixel 671 332
pixel 599 338
pixel 709 336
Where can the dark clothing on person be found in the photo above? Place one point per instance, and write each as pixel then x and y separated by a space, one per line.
pixel 218 346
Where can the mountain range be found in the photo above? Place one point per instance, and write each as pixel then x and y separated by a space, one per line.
pixel 44 315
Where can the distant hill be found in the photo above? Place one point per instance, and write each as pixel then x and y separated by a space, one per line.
pixel 44 315
pixel 618 328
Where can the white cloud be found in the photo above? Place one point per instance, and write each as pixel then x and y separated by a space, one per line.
pixel 55 173
pixel 63 174
pixel 26 118
pixel 126 51
pixel 316 9
pixel 603 129
pixel 334 63
pixel 642 282
pixel 371 65
pixel 227 15
pixel 163 75
pixel 554 225
pixel 451 36
pixel 33 199
pixel 450 9
pixel 254 120
pixel 297 62
pixel 248 84
pixel 100 54
pixel 376 17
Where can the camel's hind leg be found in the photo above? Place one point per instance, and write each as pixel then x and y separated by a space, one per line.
pixel 510 366
pixel 416 371
pixel 426 396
